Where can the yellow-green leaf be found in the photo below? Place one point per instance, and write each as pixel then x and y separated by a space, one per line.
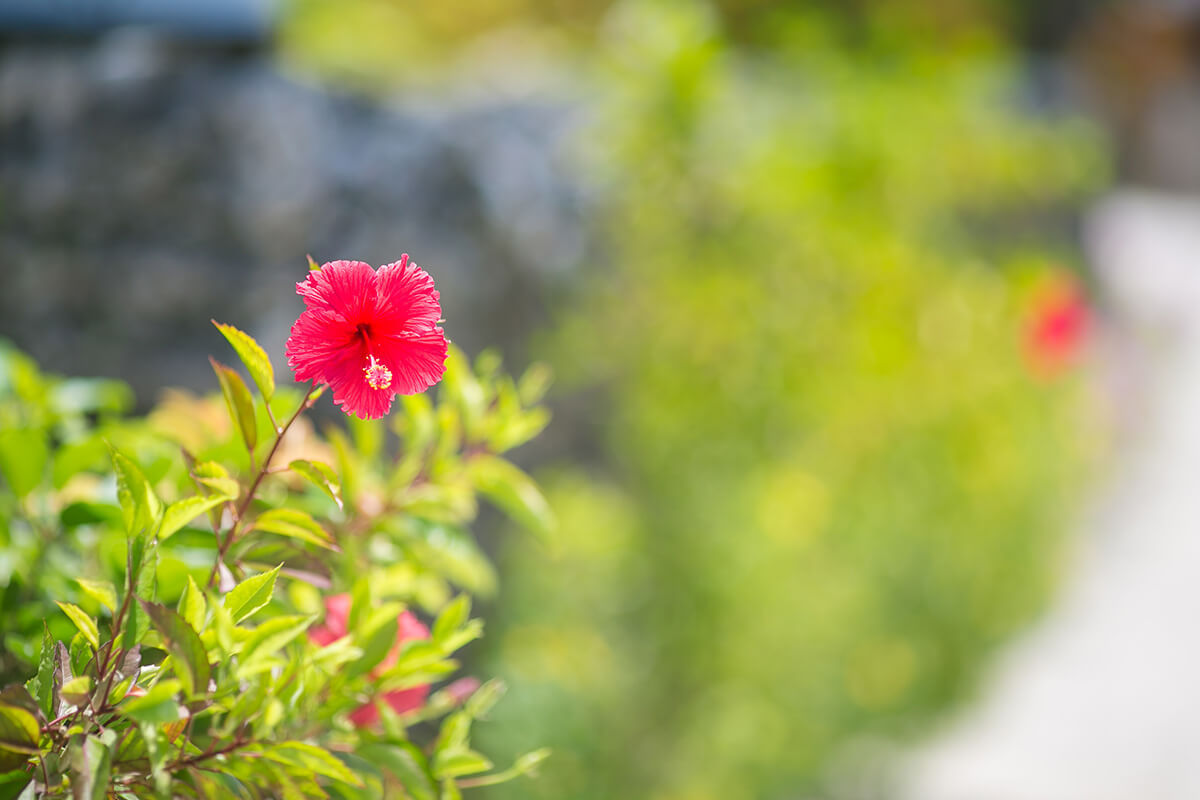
pixel 310 757
pixel 85 624
pixel 102 592
pixel 239 401
pixel 251 594
pixel 321 475
pixel 294 524
pixel 183 511
pixel 253 356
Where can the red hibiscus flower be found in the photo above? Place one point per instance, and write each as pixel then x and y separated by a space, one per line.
pixel 337 614
pixel 1056 328
pixel 369 335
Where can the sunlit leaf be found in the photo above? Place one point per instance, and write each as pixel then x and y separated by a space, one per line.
pixel 239 402
pixel 311 757
pixel 251 594
pixel 253 356
pixel 294 524
pixel 181 512
pixel 102 592
pixel 23 457
pixel 188 656
pixel 85 624
pixel 320 475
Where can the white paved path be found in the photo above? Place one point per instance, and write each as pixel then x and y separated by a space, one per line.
pixel 1101 700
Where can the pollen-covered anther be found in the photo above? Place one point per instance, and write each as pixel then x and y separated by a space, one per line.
pixel 378 376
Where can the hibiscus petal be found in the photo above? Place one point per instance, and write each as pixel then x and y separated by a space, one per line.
pixel 344 288
pixel 319 340
pixel 407 301
pixel 416 361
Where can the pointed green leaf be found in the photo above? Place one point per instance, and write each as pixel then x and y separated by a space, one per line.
pixel 253 356
pixel 102 592
pixel 140 506
pixel 85 624
pixel 158 705
pixel 239 402
pixel 313 266
pixel 453 763
pixel 23 457
pixel 192 605
pixel 406 763
pixel 311 757
pixel 15 785
pixel 321 475
pixel 453 616
pixel 188 655
pixel 43 682
pixel 91 764
pixel 183 511
pixel 251 594
pixel 514 492
pixel 77 691
pixel 267 640
pixel 19 734
pixel 295 525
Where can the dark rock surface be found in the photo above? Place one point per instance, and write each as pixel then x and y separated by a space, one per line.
pixel 146 187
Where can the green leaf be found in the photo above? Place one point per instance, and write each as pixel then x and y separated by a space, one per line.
pixel 77 691
pixel 183 511
pixel 140 507
pixel 295 525
pixel 485 698
pixel 192 605
pixel 406 763
pixel 23 457
pixel 19 734
pixel 102 592
pixel 85 624
pixel 43 682
pixel 239 402
pixel 157 706
pixel 453 763
pixel 188 655
pixel 91 763
pixel 253 356
pixel 13 784
pixel 376 635
pixel 142 571
pixel 313 266
pixel 453 616
pixel 454 732
pixel 311 757
pixel 266 640
pixel 514 492
pixel 216 477
pixel 321 475
pixel 251 594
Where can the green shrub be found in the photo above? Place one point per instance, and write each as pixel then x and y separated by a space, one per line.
pixel 832 481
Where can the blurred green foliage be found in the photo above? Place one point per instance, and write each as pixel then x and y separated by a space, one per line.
pixel 834 482
pixel 830 480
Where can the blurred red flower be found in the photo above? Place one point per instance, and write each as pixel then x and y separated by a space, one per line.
pixel 368 335
pixel 1057 327
pixel 337 615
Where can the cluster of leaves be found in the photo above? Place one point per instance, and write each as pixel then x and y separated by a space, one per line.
pixel 161 574
pixel 835 483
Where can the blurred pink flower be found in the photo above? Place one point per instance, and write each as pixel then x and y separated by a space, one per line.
pixel 337 615
pixel 1057 327
pixel 368 335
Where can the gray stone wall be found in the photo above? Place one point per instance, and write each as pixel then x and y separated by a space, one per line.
pixel 147 186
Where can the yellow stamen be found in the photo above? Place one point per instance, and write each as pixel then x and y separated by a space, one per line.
pixel 378 376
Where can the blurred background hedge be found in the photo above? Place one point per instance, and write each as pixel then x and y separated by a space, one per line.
pixel 808 473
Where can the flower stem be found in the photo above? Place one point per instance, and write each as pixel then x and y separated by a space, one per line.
pixel 239 515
